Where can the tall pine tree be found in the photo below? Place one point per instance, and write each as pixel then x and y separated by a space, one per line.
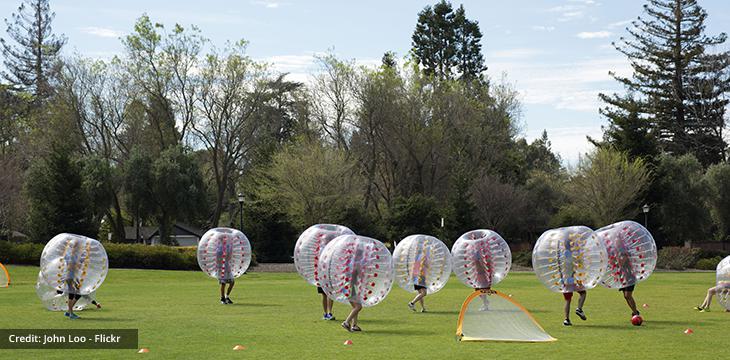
pixel 447 44
pixel 33 62
pixel 679 84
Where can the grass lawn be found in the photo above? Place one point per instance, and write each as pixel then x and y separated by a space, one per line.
pixel 278 316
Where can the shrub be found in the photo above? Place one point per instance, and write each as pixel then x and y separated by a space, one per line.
pixel 708 263
pixel 133 256
pixel 676 258
pixel 522 258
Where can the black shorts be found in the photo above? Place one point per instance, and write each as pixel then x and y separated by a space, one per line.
pixel 418 287
pixel 628 288
pixel 226 281
pixel 320 290
pixel 74 296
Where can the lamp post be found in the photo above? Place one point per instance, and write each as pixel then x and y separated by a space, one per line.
pixel 645 209
pixel 240 210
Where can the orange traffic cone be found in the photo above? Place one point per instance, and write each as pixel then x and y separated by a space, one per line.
pixel 645 306
pixel 239 347
pixel 348 342
pixel 143 351
pixel 689 331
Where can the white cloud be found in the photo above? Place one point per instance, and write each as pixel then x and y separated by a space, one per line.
pixel 594 34
pixel 619 24
pixel 102 32
pixel 569 86
pixel 518 53
pixel 543 28
pixel 271 4
pixel 570 142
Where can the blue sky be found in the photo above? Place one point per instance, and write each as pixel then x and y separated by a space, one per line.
pixel 556 53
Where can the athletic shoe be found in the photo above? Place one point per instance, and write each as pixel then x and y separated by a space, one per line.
pixel 98 306
pixel 73 316
pixel 332 317
pixel 567 322
pixel 326 317
pixel 346 326
pixel 66 314
pixel 412 306
pixel 705 310
pixel 356 328
pixel 228 301
pixel 580 313
pixel 223 301
pixel 698 308
pixel 423 310
pixel 484 308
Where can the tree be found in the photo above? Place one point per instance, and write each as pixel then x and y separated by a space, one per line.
pixel 56 197
pixel 417 214
pixel 717 183
pixel 231 94
pixel 331 100
pixel 608 186
pixel 178 189
pixel 682 215
pixel 679 85
pixel 627 131
pixel 138 180
pixel 447 44
pixel 312 182
pixel 33 63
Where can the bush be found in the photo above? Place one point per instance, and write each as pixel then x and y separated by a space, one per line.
pixel 708 264
pixel 522 258
pixel 133 256
pixel 677 258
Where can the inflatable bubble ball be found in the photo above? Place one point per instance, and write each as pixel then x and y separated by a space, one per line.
pixel 569 259
pixel 356 269
pixel 422 260
pixel 481 259
pixel 309 246
pixel 224 253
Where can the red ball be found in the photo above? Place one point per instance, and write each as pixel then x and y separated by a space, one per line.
pixel 636 320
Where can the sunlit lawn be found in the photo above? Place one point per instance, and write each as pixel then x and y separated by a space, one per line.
pixel 278 316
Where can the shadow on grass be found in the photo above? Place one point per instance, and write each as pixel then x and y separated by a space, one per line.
pixel 399 332
pixel 102 319
pixel 254 304
pixel 440 312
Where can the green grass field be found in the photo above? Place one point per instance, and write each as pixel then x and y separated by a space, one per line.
pixel 278 316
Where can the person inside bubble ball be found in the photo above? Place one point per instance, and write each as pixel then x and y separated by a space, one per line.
pixel 73 260
pixel 327 305
pixel 93 300
pixel 705 306
pixel 420 269
pixel 224 255
pixel 350 323
pixel 627 276
pixel 572 285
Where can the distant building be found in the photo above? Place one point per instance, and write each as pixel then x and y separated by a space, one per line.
pixel 185 235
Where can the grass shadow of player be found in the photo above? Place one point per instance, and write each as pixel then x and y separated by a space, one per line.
pixel 101 319
pixel 440 312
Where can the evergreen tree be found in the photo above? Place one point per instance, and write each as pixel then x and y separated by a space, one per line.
pixel 388 61
pixel 679 84
pixel 447 44
pixel 627 131
pixel 56 196
pixel 33 62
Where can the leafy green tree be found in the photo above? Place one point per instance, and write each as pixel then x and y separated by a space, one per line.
pixel 447 44
pixel 138 186
pixel 682 215
pixel 417 214
pixel 678 84
pixel 178 189
pixel 56 197
pixel 33 63
pixel 608 186
pixel 312 182
pixel 628 131
pixel 717 183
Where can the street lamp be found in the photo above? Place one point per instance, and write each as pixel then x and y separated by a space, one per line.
pixel 240 210
pixel 645 209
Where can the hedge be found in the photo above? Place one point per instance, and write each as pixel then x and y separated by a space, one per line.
pixel 131 256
